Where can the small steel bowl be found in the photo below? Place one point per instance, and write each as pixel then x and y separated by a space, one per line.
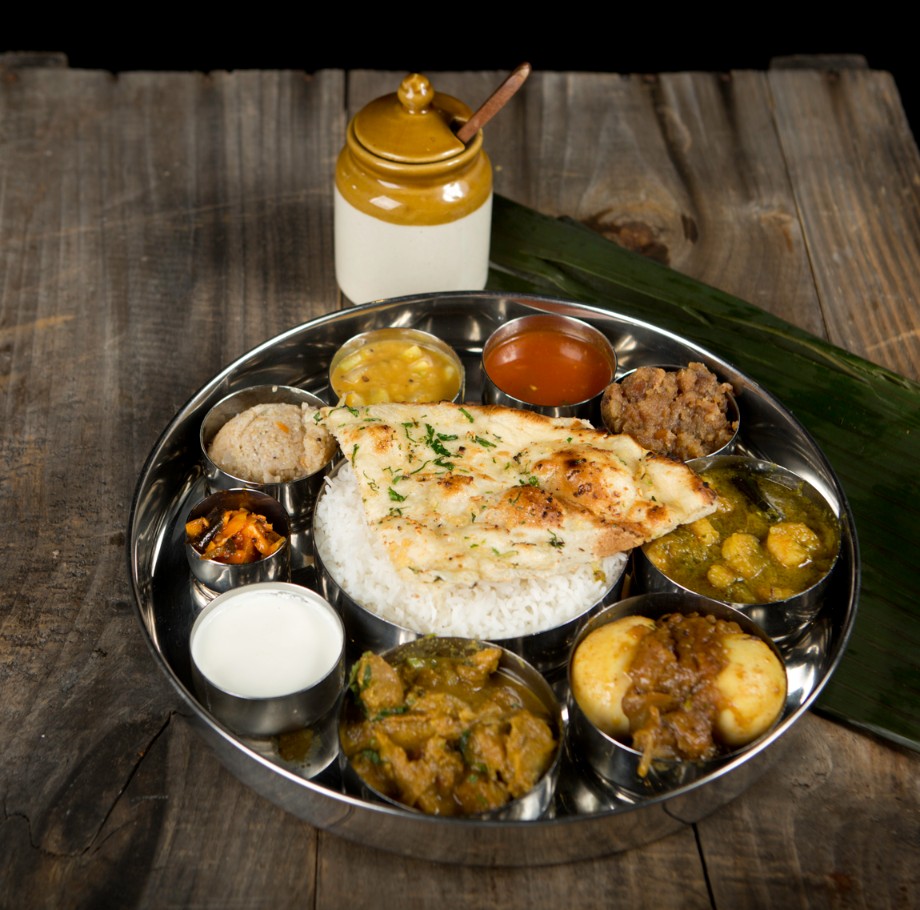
pixel 262 678
pixel 784 619
pixel 546 649
pixel 616 762
pixel 564 327
pixel 297 496
pixel 733 412
pixel 531 805
pixel 212 577
pixel 417 337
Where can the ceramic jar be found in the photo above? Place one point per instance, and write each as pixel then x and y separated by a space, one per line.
pixel 413 204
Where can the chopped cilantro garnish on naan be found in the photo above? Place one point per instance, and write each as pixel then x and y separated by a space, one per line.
pixel 465 492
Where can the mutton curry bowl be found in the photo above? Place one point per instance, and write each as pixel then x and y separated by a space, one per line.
pixel 450 726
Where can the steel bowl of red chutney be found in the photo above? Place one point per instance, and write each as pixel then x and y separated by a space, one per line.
pixel 548 363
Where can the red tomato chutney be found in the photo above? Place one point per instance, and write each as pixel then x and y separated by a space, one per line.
pixel 548 368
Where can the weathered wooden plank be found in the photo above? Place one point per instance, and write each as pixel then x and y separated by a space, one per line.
pixel 72 724
pixel 855 171
pixel 183 833
pixel 237 246
pixel 837 825
pixel 152 227
pixel 684 168
pixel 643 877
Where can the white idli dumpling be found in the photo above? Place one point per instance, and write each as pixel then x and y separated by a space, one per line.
pixel 598 672
pixel 754 687
pixel 272 443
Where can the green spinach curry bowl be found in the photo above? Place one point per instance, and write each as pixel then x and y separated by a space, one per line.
pixel 768 550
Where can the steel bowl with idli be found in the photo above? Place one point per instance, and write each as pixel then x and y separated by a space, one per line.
pixel 266 438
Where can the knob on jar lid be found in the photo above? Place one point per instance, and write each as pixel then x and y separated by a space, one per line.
pixel 414 125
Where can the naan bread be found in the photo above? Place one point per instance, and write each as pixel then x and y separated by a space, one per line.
pixel 462 493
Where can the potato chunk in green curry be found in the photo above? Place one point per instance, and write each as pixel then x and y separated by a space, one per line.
pixel 765 542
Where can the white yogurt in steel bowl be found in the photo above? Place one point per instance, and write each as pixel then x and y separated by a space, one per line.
pixel 268 658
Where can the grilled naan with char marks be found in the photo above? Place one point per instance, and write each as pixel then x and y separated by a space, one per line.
pixel 463 493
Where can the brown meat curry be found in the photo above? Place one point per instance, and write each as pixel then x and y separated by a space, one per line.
pixel 448 735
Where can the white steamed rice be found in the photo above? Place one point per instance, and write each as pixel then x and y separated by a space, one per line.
pixel 360 566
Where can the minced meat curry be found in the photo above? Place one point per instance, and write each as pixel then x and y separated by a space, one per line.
pixel 682 413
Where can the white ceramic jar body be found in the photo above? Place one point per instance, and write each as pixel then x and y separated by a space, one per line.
pixel 375 259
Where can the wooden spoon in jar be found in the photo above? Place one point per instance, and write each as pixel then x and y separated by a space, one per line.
pixel 494 103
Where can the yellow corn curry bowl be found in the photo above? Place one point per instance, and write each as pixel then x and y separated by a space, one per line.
pixel 395 365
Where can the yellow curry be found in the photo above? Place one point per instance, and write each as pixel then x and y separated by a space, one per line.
pixel 395 370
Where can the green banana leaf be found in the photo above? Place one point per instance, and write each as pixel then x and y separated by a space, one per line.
pixel 866 419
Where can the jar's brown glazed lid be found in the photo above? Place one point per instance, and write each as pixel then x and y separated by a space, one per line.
pixel 412 125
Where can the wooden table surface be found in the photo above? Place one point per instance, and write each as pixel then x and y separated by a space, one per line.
pixel 154 226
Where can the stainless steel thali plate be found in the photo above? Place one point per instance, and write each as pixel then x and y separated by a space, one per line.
pixel 587 818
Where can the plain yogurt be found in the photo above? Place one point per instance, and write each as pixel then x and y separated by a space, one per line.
pixel 267 640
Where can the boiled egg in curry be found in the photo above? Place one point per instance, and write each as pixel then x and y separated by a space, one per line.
pixel 686 687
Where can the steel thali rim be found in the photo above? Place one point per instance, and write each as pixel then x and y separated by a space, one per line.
pixel 286 359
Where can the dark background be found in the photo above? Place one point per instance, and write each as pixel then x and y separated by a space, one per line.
pixel 610 39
